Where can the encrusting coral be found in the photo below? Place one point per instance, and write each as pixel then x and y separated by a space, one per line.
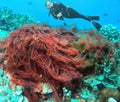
pixel 36 54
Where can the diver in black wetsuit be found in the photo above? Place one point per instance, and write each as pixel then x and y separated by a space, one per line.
pixel 60 11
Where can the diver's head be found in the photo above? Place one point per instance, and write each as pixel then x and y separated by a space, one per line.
pixel 49 4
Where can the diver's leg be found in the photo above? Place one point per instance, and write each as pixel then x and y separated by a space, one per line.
pixel 94 17
pixel 85 17
pixel 71 13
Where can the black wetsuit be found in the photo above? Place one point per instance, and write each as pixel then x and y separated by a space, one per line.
pixel 68 12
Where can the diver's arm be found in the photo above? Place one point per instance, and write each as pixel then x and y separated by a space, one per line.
pixel 56 11
pixel 57 15
pixel 53 13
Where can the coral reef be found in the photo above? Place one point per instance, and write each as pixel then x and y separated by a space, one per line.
pixel 105 80
pixel 111 32
pixel 108 93
pixel 10 21
pixel 35 55
pixel 8 92
pixel 58 65
pixel 3 34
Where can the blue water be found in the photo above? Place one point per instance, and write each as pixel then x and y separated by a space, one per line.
pixel 108 10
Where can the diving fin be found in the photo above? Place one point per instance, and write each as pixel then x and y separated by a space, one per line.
pixel 64 23
pixel 96 25
pixel 94 17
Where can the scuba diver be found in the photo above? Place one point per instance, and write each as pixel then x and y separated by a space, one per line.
pixel 60 11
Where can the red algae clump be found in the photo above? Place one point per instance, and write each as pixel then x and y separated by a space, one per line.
pixel 37 54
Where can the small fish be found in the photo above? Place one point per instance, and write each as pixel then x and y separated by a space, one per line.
pixel 30 3
pixel 105 14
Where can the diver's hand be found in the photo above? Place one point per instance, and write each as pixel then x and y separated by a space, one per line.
pixel 59 15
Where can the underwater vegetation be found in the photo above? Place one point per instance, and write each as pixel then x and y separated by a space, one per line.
pixel 58 65
pixel 38 54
